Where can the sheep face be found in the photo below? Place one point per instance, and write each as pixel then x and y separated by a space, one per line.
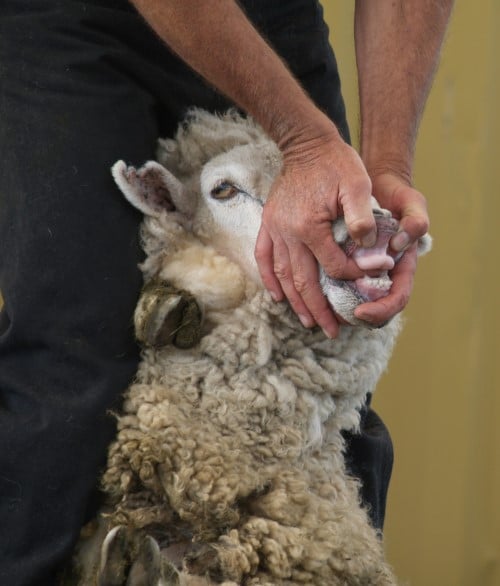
pixel 234 187
pixel 221 204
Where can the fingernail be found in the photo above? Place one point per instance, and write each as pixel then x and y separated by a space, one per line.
pixel 363 316
pixel 305 321
pixel 400 241
pixel 369 240
pixel 274 297
pixel 329 335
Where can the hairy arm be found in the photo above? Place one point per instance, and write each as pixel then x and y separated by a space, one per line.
pixel 322 176
pixel 398 44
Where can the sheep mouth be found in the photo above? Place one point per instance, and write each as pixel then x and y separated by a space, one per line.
pixel 377 261
pixel 370 288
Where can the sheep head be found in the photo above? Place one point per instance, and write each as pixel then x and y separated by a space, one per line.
pixel 219 200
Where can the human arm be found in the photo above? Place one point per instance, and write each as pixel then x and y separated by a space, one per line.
pixel 397 49
pixel 322 176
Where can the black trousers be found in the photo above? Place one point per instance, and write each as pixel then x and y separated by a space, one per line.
pixel 82 84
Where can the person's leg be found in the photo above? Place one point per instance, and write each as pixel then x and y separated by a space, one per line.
pixel 83 83
pixel 370 458
pixel 298 33
pixel 68 272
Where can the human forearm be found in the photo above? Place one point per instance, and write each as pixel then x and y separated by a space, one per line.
pixel 216 40
pixel 397 50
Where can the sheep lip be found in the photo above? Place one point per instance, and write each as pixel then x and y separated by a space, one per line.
pixel 366 289
pixel 375 262
pixel 372 288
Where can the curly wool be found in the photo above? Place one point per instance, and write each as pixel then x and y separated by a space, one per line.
pixel 257 408
pixel 239 439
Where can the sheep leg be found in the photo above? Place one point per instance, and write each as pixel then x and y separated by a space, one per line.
pixel 263 551
pixel 115 563
pixel 256 541
pixel 291 542
pixel 285 542
pixel 134 560
pixel 239 554
pixel 166 315
pixel 202 559
pixel 221 561
pixel 150 568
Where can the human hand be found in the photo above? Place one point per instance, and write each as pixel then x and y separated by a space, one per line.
pixel 408 205
pixel 320 180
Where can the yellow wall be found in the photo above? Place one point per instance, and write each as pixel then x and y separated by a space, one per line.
pixel 441 397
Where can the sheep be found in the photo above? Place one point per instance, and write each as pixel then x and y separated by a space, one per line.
pixel 228 463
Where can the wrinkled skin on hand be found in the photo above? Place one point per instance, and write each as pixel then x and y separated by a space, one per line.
pixel 319 182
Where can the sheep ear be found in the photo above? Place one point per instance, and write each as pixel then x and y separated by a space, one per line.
pixel 151 189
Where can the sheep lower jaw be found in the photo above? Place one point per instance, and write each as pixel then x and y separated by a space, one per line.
pixel 345 296
pixel 371 288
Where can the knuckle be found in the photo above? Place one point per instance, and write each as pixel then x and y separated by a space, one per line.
pixel 267 279
pixel 360 186
pixel 420 225
pixel 294 299
pixel 418 199
pixel 261 254
pixel 302 285
pixel 282 272
pixel 336 267
pixel 360 226
pixel 401 301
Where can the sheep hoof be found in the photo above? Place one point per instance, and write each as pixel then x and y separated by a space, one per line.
pixel 114 558
pixel 129 561
pixel 170 574
pixel 203 560
pixel 166 315
pixel 147 565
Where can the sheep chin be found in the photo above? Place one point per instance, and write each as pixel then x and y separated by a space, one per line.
pixel 343 297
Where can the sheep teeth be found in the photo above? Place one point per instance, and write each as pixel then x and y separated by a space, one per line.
pixel 372 288
pixel 383 282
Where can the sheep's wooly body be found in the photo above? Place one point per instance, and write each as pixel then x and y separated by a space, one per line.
pixel 237 442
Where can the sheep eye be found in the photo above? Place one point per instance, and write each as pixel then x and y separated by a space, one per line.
pixel 224 191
